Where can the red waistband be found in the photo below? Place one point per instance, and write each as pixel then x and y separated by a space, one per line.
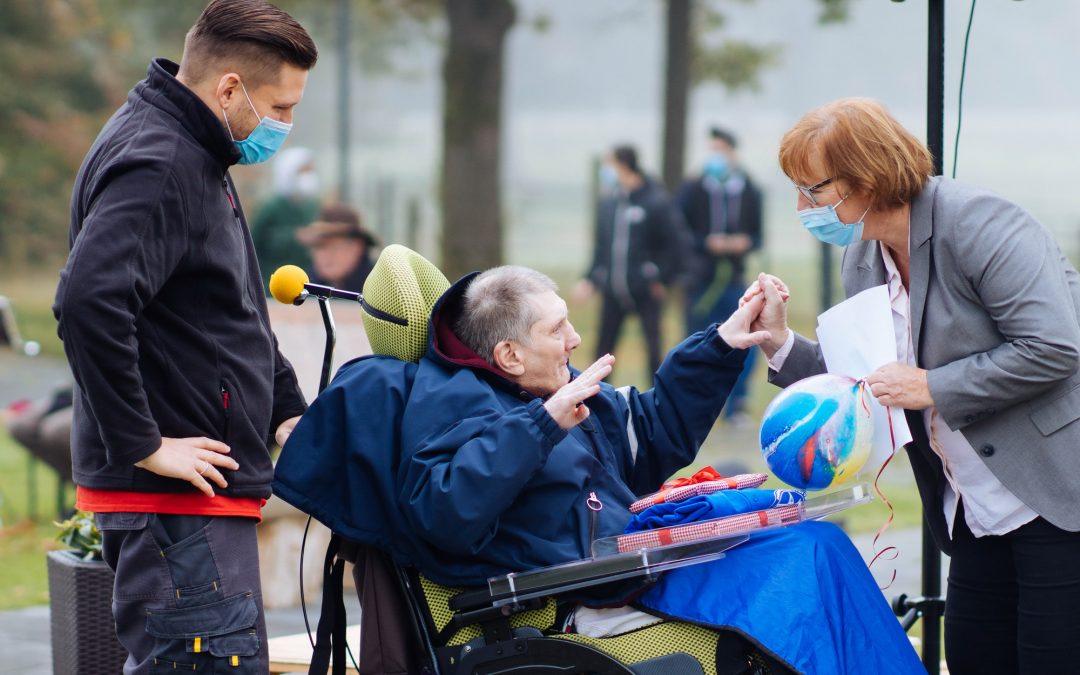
pixel 181 503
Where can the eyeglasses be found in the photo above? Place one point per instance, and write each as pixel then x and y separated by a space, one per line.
pixel 811 192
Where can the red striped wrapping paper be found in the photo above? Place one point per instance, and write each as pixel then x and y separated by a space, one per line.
pixel 708 529
pixel 743 480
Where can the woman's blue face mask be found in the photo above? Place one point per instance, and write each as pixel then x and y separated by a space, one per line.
pixel 823 223
pixel 264 140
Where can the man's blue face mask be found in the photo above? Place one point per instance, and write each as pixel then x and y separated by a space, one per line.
pixel 264 140
pixel 717 165
pixel 823 223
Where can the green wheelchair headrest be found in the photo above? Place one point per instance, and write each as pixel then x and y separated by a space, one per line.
pixel 402 284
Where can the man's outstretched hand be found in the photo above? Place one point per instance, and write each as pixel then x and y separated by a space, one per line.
pixel 195 460
pixel 773 315
pixel 737 331
pixel 565 405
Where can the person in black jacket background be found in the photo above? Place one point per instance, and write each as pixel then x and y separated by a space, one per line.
pixel 722 208
pixel 636 252
pixel 180 385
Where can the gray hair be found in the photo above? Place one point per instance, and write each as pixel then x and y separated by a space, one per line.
pixel 497 308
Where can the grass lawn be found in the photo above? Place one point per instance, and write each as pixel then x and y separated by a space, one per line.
pixel 24 541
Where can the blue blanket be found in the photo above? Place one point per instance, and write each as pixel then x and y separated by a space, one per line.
pixel 802 592
pixel 715 505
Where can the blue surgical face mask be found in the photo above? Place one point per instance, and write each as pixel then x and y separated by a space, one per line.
pixel 609 180
pixel 716 165
pixel 823 223
pixel 263 141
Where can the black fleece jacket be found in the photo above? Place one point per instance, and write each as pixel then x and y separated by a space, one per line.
pixel 637 241
pixel 160 305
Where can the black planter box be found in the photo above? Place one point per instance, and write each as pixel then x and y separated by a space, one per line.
pixel 80 613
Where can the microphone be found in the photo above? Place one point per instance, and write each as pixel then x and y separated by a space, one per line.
pixel 287 284
pixel 290 285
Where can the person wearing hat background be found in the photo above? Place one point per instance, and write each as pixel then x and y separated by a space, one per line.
pixel 340 248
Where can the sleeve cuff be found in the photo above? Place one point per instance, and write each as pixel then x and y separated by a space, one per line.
pixel 721 344
pixel 778 359
pixel 131 457
pixel 548 426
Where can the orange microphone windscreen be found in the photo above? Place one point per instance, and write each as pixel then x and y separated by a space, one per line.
pixel 287 283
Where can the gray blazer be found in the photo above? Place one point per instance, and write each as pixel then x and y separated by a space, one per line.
pixel 994 307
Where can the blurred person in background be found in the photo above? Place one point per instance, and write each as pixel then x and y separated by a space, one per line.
pixel 180 385
pixel 341 248
pixel 294 204
pixel 985 314
pixel 637 248
pixel 722 209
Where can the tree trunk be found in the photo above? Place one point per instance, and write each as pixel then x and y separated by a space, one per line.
pixel 472 237
pixel 676 90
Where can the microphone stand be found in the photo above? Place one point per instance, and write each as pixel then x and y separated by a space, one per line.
pixel 324 380
pixel 331 333
pixel 331 340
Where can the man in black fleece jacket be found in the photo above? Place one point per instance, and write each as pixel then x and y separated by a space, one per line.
pixel 180 385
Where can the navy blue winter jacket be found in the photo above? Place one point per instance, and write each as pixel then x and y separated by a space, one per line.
pixel 449 467
pixel 488 477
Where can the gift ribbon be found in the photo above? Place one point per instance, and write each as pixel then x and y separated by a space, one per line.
pixel 892 511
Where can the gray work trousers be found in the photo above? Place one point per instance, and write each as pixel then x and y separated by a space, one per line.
pixel 187 595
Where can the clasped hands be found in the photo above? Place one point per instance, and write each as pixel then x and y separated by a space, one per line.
pixel 760 320
pixel 895 385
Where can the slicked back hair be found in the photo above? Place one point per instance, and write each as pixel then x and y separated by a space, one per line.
pixel 497 308
pixel 251 37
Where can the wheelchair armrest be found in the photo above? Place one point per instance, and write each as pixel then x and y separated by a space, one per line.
pixel 472 599
pixel 484 614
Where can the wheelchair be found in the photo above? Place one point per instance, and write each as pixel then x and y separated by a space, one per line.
pixel 409 623
pixel 438 630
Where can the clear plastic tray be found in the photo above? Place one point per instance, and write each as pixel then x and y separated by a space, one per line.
pixel 519 586
pixel 627 556
pixel 678 536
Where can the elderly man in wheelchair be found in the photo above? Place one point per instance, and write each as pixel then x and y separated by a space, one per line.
pixel 471 448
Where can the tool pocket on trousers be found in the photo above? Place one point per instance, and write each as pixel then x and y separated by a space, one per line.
pixel 217 637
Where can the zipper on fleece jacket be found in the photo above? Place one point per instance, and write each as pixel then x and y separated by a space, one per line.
pixel 225 408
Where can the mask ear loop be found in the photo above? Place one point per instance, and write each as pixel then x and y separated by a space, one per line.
pixel 228 127
pixel 253 108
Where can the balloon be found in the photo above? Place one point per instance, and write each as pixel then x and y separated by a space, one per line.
pixel 817 433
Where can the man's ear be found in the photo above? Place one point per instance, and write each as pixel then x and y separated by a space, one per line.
pixel 228 90
pixel 508 359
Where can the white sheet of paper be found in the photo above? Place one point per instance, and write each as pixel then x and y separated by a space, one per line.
pixel 857 338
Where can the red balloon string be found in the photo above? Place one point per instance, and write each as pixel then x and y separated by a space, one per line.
pixel 892 511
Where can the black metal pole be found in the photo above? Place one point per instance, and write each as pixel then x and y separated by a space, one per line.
pixel 344 25
pixel 827 293
pixel 935 140
pixel 331 339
